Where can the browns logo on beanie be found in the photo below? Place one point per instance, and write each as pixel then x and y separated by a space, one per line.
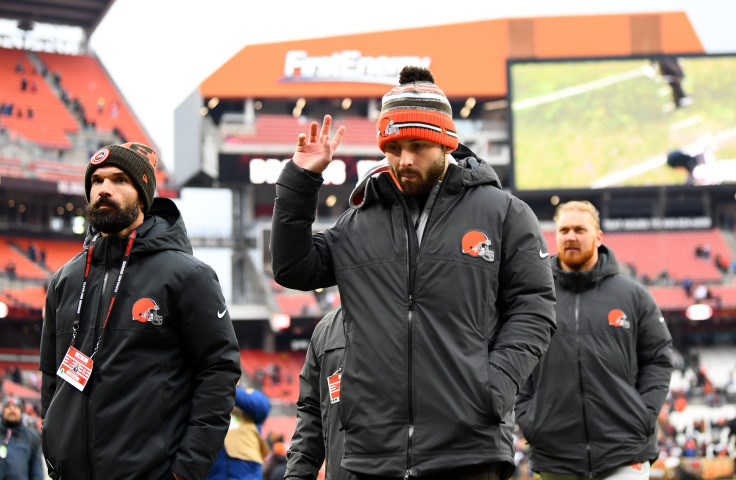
pixel 137 160
pixel 417 108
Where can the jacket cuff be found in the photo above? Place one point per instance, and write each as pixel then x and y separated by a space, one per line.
pixel 300 179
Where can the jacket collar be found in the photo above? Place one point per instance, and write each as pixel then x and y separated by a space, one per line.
pixel 606 266
pixel 465 170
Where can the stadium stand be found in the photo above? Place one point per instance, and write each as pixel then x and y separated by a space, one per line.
pixel 58 252
pixel 50 120
pixel 28 297
pixel 11 167
pixel 275 373
pixel 54 171
pixel 24 267
pixel 84 78
pixel 273 129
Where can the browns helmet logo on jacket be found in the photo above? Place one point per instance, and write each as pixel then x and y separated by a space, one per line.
pixel 146 310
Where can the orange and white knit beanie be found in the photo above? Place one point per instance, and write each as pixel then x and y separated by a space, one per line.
pixel 417 108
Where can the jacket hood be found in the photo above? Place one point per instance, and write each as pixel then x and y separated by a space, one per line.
pixel 162 229
pixel 465 170
pixel 606 266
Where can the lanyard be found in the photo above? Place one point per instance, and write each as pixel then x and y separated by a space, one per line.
pixel 8 433
pixel 78 315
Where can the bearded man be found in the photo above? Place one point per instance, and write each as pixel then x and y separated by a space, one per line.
pixel 138 354
pixel 590 408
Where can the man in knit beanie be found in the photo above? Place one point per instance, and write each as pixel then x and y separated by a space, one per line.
pixel 138 351
pixel 445 285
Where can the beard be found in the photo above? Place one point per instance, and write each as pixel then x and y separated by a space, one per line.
pixel 577 259
pixel 423 181
pixel 111 221
pixel 11 423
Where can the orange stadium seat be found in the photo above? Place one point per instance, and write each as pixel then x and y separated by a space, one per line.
pixel 54 171
pixel 58 252
pixel 51 119
pixel 289 365
pixel 24 267
pixel 84 78
pixel 298 304
pixel 11 167
pixel 272 129
pixel 29 297
pixel 283 426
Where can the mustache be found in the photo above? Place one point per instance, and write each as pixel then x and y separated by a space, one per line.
pixel 409 171
pixel 107 202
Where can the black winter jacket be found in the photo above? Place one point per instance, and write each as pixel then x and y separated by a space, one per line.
pixel 440 336
pixel 592 403
pixel 161 391
pixel 318 436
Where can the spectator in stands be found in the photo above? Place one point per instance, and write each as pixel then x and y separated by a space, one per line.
pixel 721 263
pixel 276 467
pixel 32 251
pixel 10 269
pixel 687 284
pixel 438 343
pixel 241 457
pixel 19 67
pixel 23 83
pixel 155 349
pixel 318 436
pixel 20 450
pixel 590 409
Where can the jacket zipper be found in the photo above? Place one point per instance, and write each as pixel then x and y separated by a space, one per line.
pixel 98 316
pixel 410 322
pixel 409 383
pixel 580 383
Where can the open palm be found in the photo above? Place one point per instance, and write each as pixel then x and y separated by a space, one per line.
pixel 314 152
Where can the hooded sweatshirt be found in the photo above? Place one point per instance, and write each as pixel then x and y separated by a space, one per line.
pixel 440 333
pixel 163 381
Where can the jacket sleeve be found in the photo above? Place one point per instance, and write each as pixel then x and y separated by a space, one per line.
pixel 211 349
pixel 47 357
pixel 35 469
pixel 300 260
pixel 524 402
pixel 654 355
pixel 307 451
pixel 253 403
pixel 526 300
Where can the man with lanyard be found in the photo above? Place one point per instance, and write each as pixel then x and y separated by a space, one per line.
pixel 138 354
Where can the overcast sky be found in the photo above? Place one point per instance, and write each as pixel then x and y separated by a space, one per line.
pixel 159 51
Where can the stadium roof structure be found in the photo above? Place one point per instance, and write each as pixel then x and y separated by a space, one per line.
pixel 86 14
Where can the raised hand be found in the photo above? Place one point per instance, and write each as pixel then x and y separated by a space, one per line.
pixel 315 152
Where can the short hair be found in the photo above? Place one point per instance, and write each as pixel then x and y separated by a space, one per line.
pixel 581 206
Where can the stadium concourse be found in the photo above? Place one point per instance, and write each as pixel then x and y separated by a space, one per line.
pixel 53 117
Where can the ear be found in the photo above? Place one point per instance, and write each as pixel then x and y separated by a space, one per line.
pixel 599 238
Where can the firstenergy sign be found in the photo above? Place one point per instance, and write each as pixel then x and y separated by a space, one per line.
pixel 347 66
